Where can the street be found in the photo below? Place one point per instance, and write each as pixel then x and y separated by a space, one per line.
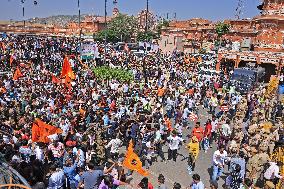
pixel 177 171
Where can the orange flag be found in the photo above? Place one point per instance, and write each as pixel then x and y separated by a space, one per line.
pixel 41 131
pixel 17 74
pixel 11 60
pixel 67 69
pixel 3 46
pixel 54 79
pixel 133 162
pixel 35 132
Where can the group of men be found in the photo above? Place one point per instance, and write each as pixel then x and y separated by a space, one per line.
pixel 159 109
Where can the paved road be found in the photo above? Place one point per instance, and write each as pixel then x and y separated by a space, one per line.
pixel 177 171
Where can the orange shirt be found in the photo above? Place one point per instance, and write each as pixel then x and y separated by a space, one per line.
pixel 198 132
pixel 168 124
pixel 190 91
pixel 161 92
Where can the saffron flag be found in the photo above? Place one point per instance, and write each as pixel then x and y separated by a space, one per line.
pixel 67 69
pixel 41 131
pixel 133 162
pixel 54 79
pixel 17 74
pixel 3 47
pixel 35 132
pixel 11 60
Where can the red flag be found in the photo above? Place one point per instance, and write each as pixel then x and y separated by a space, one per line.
pixel 17 74
pixel 67 69
pixel 41 131
pixel 54 79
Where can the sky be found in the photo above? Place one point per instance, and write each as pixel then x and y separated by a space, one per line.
pixel 184 9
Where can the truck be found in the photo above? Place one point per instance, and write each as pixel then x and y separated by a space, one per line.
pixel 246 78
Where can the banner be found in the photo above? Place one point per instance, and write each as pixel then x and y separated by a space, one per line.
pixel 89 51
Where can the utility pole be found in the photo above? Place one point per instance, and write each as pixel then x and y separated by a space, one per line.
pixel 147 11
pixel 79 24
pixel 105 32
pixel 23 12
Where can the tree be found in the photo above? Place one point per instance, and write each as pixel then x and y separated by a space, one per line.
pixel 146 36
pixel 124 26
pixel 110 34
pixel 222 29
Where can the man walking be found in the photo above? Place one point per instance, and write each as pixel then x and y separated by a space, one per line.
pixel 197 183
pixel 219 158
pixel 174 142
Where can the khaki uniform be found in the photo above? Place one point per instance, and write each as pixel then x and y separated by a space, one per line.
pixel 255 165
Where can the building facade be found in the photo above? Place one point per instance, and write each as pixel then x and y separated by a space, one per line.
pixel 263 37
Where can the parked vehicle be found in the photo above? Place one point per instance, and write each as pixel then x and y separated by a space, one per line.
pixel 245 79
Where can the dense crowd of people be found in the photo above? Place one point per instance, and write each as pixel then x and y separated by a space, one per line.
pixel 158 110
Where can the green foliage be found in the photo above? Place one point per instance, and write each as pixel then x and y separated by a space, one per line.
pixel 107 73
pixel 109 34
pixel 222 29
pixel 146 36
pixel 122 26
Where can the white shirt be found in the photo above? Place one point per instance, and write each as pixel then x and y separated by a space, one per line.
pixel 115 145
pixel 81 161
pixel 185 114
pixel 150 150
pixel 39 153
pixel 179 128
pixel 174 142
pixel 56 180
pixel 226 130
pixel 214 125
pixel 272 171
pixel 198 185
pixel 218 158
